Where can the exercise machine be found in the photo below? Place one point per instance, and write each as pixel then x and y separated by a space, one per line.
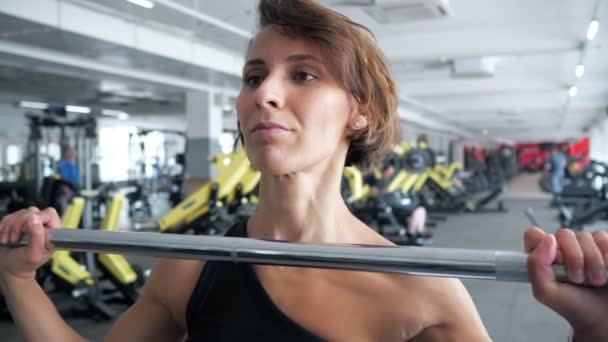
pixel 206 210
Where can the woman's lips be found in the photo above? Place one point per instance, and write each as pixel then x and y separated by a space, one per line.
pixel 268 128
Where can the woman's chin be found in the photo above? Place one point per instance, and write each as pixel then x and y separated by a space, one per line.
pixel 272 167
pixel 271 163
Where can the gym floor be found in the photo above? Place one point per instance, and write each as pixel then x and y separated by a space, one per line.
pixel 508 310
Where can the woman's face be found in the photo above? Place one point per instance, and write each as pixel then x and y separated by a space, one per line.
pixel 293 114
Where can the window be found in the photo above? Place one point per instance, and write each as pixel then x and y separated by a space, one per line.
pixel 13 154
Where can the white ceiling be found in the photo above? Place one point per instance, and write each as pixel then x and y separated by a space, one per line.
pixel 535 45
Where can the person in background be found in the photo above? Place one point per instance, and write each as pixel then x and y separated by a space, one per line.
pixel 378 185
pixel 68 170
pixel 416 222
pixel 557 167
pixel 67 167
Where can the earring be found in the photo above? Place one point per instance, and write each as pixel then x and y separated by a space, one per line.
pixel 357 125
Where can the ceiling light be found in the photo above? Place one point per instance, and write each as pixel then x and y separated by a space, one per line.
pixel 143 3
pixel 592 30
pixel 33 105
pixel 115 113
pixel 572 91
pixel 78 109
pixel 580 70
pixel 111 112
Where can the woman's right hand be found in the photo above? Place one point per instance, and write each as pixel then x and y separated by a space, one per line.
pixel 23 262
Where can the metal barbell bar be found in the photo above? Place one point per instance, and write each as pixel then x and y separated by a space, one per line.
pixel 424 261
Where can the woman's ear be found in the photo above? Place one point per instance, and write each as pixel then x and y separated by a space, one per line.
pixel 358 122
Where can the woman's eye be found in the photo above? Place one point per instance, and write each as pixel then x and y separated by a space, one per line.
pixel 253 80
pixel 304 76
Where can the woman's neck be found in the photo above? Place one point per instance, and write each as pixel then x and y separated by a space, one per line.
pixel 304 206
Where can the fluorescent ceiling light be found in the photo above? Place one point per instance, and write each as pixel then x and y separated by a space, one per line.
pixel 78 109
pixel 143 3
pixel 580 70
pixel 572 91
pixel 115 113
pixel 111 112
pixel 592 30
pixel 33 105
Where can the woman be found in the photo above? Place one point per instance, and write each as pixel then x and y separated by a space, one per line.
pixel 316 94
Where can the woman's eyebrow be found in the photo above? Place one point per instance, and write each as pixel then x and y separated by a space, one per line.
pixel 292 58
pixel 303 57
pixel 256 61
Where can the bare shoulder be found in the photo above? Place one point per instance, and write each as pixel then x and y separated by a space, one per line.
pixel 438 309
pixel 365 235
pixel 171 283
pixel 444 306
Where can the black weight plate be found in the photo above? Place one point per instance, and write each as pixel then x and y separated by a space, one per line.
pixel 416 160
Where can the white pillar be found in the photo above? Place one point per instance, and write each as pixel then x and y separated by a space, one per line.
pixel 204 126
pixel 598 137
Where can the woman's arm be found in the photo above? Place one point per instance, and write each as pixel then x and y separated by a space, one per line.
pixel 155 316
pixel 149 319
pixel 34 313
pixel 160 312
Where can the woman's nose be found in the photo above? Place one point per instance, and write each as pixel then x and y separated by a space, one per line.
pixel 270 93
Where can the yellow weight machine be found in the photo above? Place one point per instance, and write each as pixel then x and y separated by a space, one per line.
pixel 448 172
pixel 116 268
pixel 450 198
pixel 406 180
pixel 235 183
pixel 68 274
pixel 356 190
pixel 414 170
pixel 66 270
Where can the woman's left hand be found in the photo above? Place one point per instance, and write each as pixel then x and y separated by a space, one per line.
pixel 584 257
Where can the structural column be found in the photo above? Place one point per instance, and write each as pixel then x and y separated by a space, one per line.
pixel 599 141
pixel 204 126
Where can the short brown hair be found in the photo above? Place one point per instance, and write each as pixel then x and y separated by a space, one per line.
pixel 355 61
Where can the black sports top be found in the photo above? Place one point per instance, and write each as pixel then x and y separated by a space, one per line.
pixel 229 303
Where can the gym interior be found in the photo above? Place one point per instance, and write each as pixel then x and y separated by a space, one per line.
pixel 121 115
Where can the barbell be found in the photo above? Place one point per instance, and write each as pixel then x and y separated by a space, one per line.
pixel 507 266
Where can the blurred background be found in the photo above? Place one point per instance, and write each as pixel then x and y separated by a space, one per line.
pixel 120 112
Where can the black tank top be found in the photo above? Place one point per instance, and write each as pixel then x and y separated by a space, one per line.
pixel 230 304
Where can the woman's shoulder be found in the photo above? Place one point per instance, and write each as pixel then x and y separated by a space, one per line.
pixel 442 303
pixel 435 300
pixel 168 274
pixel 171 267
pixel 362 234
pixel 172 281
